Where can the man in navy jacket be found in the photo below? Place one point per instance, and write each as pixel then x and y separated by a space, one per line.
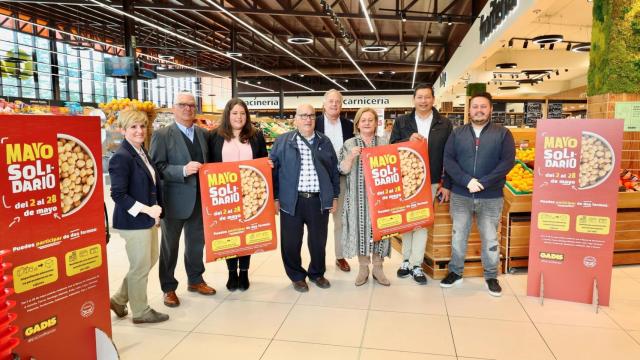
pixel 338 129
pixel 306 187
pixel 424 123
pixel 477 158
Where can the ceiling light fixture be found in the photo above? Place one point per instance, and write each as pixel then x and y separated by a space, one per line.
pixel 234 54
pixel 415 67
pixel 299 40
pixel 166 57
pixel 366 14
pixel 403 16
pixel 356 65
pixel 581 47
pixel 267 38
pixel 405 49
pixel 431 51
pixel 547 39
pixel 387 72
pixel 449 22
pixel 374 48
pixel 193 42
pixel 506 65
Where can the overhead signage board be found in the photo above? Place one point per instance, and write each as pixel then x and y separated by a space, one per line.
pixel 500 9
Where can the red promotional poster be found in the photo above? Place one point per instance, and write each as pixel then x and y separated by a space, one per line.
pixel 398 188
pixel 574 209
pixel 52 224
pixel 237 208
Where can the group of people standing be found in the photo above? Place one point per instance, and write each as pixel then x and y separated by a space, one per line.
pixel 316 172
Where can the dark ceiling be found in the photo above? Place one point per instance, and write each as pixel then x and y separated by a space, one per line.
pixel 439 25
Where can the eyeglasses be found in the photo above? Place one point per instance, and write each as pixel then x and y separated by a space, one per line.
pixel 305 116
pixel 186 106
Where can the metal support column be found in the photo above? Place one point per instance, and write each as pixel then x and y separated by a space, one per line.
pixel 281 101
pixel 234 69
pixel 53 58
pixel 130 47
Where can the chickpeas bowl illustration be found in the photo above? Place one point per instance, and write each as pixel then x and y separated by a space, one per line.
pixel 255 192
pixel 596 160
pixel 77 172
pixel 412 169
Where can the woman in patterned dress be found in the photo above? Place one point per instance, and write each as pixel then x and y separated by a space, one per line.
pixel 357 235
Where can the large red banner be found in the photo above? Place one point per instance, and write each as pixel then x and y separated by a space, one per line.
pixel 398 188
pixel 52 221
pixel 237 208
pixel 574 207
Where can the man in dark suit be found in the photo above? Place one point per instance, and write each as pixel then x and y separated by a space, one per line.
pixel 424 123
pixel 178 151
pixel 338 129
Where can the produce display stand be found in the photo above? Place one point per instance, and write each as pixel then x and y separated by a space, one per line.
pixel 516 223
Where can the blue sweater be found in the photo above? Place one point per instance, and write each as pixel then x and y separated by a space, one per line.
pixel 487 158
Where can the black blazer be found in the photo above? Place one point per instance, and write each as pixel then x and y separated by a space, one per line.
pixel 131 181
pixel 441 128
pixel 347 126
pixel 258 146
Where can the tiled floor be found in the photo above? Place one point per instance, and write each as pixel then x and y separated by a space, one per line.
pixel 271 321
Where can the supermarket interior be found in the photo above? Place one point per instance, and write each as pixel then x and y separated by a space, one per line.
pixel 562 76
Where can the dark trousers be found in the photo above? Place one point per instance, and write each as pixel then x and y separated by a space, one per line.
pixel 232 264
pixel 193 248
pixel 308 213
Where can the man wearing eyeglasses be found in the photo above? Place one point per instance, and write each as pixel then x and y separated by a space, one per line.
pixel 306 188
pixel 338 129
pixel 178 151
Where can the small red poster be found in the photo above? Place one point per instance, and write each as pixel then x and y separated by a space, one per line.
pixel 237 208
pixel 52 221
pixel 574 208
pixel 398 188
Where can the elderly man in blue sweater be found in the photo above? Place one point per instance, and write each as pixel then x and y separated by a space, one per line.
pixel 477 158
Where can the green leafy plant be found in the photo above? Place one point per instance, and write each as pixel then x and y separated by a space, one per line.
pixel 615 47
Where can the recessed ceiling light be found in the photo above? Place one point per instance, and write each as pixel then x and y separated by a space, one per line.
pixel 299 40
pixel 582 47
pixel 506 65
pixel 374 48
pixel 234 54
pixel 547 39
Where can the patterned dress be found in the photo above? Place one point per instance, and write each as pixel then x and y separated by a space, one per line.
pixel 357 234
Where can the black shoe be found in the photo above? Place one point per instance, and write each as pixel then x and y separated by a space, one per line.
pixel 232 283
pixel 404 270
pixel 243 280
pixel 451 279
pixel 418 275
pixel 321 282
pixel 494 287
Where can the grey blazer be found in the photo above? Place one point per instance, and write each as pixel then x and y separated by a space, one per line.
pixel 170 154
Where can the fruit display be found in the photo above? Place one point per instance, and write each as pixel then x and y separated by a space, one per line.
pixel 520 179
pixel 628 182
pixel 112 107
pixel 526 155
pixel 274 129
